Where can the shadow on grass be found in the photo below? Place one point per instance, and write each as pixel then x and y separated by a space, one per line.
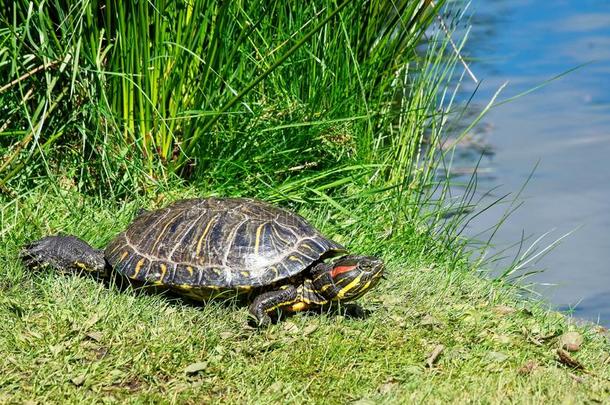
pixel 228 299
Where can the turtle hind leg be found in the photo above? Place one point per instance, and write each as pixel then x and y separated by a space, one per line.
pixel 64 253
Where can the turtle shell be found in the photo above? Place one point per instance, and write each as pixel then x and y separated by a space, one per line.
pixel 218 243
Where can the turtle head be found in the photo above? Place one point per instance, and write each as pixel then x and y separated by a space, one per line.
pixel 348 277
pixel 64 253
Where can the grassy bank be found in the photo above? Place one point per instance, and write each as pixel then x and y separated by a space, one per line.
pixel 73 338
pixel 337 111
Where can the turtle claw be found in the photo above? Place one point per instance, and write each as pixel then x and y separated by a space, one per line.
pixel 264 322
pixel 259 323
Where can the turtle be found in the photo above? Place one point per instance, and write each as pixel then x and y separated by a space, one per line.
pixel 204 247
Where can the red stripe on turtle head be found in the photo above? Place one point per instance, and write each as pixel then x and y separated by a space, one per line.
pixel 341 269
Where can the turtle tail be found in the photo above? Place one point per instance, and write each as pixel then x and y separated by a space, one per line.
pixel 64 253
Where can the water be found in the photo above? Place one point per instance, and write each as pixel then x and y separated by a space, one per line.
pixel 565 126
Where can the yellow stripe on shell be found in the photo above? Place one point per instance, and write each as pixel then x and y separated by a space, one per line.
pixel 162 233
pixel 275 271
pixel 124 255
pixel 114 249
pixel 306 246
pixel 163 271
pixel 274 230
pixel 258 237
pixel 296 259
pixel 138 267
pixel 204 234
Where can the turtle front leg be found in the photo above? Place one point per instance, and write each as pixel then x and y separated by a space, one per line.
pixel 270 301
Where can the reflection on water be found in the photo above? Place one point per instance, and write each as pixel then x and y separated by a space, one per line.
pixel 565 126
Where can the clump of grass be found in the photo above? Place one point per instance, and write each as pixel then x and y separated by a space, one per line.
pixel 139 92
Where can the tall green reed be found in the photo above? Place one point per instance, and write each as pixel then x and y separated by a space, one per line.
pixel 135 92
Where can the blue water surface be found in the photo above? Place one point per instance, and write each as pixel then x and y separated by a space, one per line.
pixel 565 126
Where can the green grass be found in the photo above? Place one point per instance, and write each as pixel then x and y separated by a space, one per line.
pixel 334 110
pixel 75 339
pixel 142 92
